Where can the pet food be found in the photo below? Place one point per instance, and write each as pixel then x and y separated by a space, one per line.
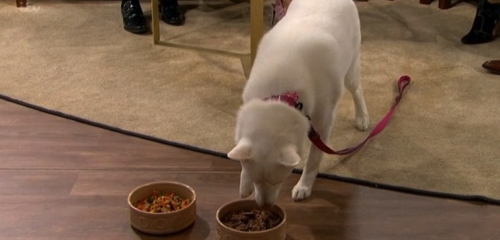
pixel 161 202
pixel 251 221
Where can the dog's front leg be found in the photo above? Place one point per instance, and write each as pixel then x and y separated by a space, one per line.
pixel 303 188
pixel 246 185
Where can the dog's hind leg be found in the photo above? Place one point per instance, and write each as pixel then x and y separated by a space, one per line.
pixel 353 84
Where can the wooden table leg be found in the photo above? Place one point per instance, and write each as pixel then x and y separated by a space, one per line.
pixel 21 3
pixel 256 25
pixel 155 21
pixel 444 4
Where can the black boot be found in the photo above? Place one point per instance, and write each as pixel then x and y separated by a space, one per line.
pixel 487 16
pixel 133 17
pixel 171 12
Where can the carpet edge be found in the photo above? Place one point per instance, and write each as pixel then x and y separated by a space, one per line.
pixel 407 190
pixel 111 128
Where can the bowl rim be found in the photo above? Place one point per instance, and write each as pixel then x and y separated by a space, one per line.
pixel 157 183
pixel 245 232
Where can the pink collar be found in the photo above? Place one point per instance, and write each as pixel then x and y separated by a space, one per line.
pixel 290 98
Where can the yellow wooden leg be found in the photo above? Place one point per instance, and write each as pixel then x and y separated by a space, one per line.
pixel 155 21
pixel 256 25
pixel 21 3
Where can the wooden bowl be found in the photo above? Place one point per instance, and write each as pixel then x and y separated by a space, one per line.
pixel 162 223
pixel 227 233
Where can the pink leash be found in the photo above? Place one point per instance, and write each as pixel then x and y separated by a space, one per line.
pixel 403 82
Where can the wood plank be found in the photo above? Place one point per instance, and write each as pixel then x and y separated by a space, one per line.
pixel 64 144
pixel 122 182
pixel 335 210
pixel 64 180
pixel 29 183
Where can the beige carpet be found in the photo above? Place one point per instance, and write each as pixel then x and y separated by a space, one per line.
pixel 74 57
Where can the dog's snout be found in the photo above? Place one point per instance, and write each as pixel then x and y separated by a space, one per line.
pixel 264 204
pixel 265 195
pixel 267 205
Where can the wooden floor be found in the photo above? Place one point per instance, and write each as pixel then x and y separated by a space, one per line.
pixel 61 179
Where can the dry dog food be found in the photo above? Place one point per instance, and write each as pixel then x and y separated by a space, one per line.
pixel 161 202
pixel 251 221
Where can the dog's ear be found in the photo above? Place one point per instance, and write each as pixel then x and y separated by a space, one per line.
pixel 289 157
pixel 241 151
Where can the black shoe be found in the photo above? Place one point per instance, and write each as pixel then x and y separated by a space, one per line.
pixel 482 31
pixel 133 17
pixel 171 13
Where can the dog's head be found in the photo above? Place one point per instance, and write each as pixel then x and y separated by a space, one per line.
pixel 269 142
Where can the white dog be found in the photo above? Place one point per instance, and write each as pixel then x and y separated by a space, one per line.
pixel 313 52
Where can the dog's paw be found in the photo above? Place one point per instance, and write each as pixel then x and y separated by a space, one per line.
pixel 363 123
pixel 301 192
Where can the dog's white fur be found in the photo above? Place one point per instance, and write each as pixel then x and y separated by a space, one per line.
pixel 314 50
